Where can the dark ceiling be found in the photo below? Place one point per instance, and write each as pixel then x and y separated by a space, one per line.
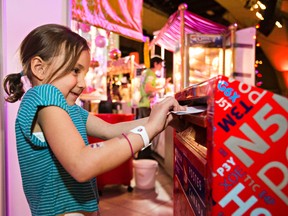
pixel 209 9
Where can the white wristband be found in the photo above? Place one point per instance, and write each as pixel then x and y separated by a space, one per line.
pixel 143 133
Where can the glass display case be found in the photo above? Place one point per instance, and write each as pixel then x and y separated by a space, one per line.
pixel 230 54
pixel 110 76
pixel 205 56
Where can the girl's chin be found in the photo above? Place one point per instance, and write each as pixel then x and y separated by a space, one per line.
pixel 71 101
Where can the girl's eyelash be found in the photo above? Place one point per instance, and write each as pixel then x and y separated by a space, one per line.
pixel 76 70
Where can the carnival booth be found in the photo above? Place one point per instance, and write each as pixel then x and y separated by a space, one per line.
pixel 203 49
pixel 228 161
pixel 110 78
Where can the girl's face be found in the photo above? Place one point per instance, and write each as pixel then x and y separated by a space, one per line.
pixel 72 84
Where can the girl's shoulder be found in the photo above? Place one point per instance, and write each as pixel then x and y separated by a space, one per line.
pixel 45 95
pixel 47 88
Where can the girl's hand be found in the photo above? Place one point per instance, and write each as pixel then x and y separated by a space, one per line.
pixel 160 116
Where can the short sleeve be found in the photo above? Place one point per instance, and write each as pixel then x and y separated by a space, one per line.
pixel 39 96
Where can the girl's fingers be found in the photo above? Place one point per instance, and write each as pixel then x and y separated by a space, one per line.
pixel 159 117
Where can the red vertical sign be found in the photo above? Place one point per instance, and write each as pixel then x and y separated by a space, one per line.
pixel 250 151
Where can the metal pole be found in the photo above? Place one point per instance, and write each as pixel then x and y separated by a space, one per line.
pixel 233 29
pixel 184 76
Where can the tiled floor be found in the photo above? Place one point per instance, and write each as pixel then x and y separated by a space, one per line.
pixel 116 200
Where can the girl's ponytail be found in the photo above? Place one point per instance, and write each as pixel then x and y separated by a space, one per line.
pixel 13 87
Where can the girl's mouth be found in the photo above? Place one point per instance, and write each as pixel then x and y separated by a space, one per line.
pixel 75 94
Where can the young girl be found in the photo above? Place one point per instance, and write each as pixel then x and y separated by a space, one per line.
pixel 58 166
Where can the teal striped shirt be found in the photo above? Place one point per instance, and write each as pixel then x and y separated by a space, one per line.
pixel 49 189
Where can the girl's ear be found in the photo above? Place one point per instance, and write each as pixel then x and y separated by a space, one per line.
pixel 37 68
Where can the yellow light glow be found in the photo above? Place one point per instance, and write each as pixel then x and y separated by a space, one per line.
pixel 178 76
pixel 195 51
pixel 278 24
pixel 261 5
pixel 259 16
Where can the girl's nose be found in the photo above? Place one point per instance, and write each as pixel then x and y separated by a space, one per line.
pixel 81 81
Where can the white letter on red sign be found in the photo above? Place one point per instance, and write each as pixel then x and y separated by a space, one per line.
pixel 233 196
pixel 236 144
pixel 277 189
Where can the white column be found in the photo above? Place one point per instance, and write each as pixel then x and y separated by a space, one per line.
pixel 18 18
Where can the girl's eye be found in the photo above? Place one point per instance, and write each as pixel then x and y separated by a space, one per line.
pixel 76 70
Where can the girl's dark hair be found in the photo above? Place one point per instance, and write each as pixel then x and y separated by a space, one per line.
pixel 46 41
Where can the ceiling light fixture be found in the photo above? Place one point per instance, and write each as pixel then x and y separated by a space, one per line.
pixel 210 12
pixel 261 5
pixel 259 16
pixel 249 3
pixel 278 24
